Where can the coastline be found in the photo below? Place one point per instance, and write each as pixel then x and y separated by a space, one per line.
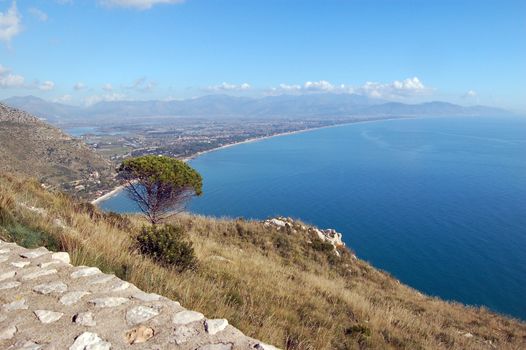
pixel 118 189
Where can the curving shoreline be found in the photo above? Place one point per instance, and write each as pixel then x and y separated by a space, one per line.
pixel 118 189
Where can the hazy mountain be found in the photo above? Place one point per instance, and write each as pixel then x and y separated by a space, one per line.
pixel 225 106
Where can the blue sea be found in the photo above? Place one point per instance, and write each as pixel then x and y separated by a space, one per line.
pixel 440 203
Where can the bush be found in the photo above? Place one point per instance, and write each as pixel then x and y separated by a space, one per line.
pixel 167 245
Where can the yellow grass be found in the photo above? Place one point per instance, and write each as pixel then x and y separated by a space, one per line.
pixel 273 285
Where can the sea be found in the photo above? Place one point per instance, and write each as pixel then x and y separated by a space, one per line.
pixel 439 203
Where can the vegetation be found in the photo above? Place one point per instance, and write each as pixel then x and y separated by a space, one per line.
pixel 275 285
pixel 167 246
pixel 159 185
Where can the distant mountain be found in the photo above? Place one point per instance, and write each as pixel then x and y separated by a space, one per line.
pixel 225 106
pixel 30 147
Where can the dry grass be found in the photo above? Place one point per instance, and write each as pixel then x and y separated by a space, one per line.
pixel 273 285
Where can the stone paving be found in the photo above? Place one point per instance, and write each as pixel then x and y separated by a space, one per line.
pixel 46 303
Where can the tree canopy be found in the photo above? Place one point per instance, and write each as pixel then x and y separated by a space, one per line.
pixel 159 185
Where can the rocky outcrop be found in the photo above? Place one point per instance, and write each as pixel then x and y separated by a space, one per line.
pixel 46 303
pixel 328 235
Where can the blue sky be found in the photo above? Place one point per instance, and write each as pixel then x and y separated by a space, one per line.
pixel 84 51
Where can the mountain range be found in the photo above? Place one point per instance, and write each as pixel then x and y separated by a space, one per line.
pixel 225 106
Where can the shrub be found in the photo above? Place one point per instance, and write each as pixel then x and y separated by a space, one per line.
pixel 167 245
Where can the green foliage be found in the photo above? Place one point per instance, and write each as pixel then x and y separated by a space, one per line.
pixel 162 169
pixel 167 245
pixel 31 238
pixel 159 185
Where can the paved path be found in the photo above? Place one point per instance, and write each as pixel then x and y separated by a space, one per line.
pixel 46 303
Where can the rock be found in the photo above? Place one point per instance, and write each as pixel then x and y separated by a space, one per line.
pixel 263 346
pixel 468 335
pixel 49 263
pixel 89 341
pixel 3 259
pixel 9 285
pixel 147 297
pixel 102 279
pixel 61 256
pixel 29 345
pixel 32 254
pixel 46 316
pixel 215 326
pixel 53 287
pixel 72 297
pixel 140 314
pixel 84 319
pixel 139 335
pixel 187 316
pixel 7 333
pixel 120 286
pixel 16 305
pixel 86 271
pixel 5 250
pixel 220 346
pixel 20 264
pixel 183 333
pixel 277 222
pixel 40 273
pixel 108 301
pixel 7 275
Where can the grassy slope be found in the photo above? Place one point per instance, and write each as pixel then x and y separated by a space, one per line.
pixel 273 285
pixel 30 147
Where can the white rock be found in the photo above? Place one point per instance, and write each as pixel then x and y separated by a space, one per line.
pixel 20 264
pixel 122 285
pixel 140 314
pixel 220 346
pixel 7 333
pixel 468 335
pixel 72 297
pixel 102 279
pixel 187 316
pixel 84 319
pixel 215 326
pixel 5 250
pixel 277 222
pixel 7 275
pixel 89 341
pixel 49 263
pixel 29 345
pixel 108 302
pixel 142 296
pixel 47 316
pixel 32 254
pixel 53 287
pixel 40 273
pixel 16 305
pixel 263 346
pixel 3 258
pixel 86 271
pixel 9 285
pixel 184 333
pixel 61 256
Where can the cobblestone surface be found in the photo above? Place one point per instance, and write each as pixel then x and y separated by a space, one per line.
pixel 48 304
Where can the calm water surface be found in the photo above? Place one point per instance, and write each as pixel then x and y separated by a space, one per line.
pixel 439 203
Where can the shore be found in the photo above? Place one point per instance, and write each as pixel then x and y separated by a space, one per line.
pixel 118 189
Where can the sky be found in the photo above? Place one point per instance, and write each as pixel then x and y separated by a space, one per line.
pixel 86 51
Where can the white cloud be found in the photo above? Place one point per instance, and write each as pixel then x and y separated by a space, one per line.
pixel 79 86
pixel 63 99
pixel 405 88
pixel 107 87
pixel 142 85
pixel 48 85
pixel 229 87
pixel 138 4
pixel 38 14
pixel 10 24
pixel 114 96
pixel 310 86
pixel 10 80
pixel 470 93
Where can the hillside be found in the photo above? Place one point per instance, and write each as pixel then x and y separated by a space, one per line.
pixel 31 147
pixel 276 281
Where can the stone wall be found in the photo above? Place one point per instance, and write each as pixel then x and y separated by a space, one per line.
pixel 46 303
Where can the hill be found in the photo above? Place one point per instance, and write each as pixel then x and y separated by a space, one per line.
pixel 279 281
pixel 224 106
pixel 31 147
